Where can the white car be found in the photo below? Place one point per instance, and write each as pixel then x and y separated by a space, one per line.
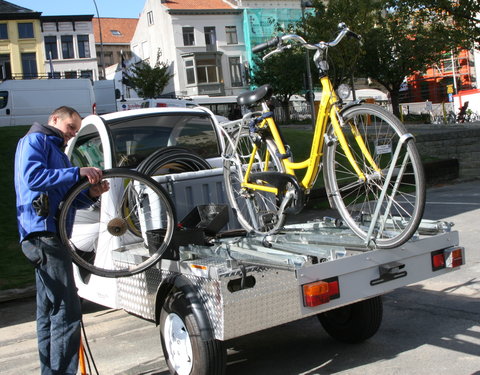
pixel 179 147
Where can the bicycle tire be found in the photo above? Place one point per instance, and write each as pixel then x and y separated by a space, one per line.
pixel 125 231
pixel 256 211
pixel 356 199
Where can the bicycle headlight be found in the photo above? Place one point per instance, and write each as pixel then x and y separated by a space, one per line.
pixel 343 91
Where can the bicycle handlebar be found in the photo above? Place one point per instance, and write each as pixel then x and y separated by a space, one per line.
pixel 264 46
pixel 279 40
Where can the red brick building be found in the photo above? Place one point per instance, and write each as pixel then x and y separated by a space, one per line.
pixel 438 81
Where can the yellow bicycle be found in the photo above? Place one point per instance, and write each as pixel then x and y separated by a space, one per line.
pixel 373 174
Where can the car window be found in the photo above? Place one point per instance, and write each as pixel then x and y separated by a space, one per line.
pixel 88 152
pixel 136 138
pixel 3 99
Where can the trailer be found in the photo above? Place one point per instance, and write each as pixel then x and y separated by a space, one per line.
pixel 231 283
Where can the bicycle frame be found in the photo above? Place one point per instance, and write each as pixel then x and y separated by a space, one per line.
pixel 328 110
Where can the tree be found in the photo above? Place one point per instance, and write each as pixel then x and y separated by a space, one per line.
pixel 149 81
pixel 322 25
pixel 414 35
pixel 401 37
pixel 285 72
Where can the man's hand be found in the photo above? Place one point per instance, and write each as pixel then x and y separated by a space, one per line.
pixel 94 175
pixel 98 189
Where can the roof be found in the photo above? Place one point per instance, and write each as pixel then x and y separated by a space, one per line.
pixel 123 29
pixel 72 18
pixel 6 7
pixel 12 11
pixel 196 4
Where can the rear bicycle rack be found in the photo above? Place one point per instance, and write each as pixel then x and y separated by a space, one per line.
pixel 403 139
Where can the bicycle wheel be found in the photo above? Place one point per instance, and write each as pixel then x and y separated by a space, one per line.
pixel 256 211
pixel 125 231
pixel 401 210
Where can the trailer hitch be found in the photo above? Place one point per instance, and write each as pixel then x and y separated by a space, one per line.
pixel 389 271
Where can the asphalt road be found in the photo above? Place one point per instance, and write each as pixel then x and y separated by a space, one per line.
pixel 432 327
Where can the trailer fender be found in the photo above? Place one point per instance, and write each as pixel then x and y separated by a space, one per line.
pixel 190 292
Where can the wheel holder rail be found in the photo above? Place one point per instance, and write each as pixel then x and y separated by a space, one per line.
pixel 403 139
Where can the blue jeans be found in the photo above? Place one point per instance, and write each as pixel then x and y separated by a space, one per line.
pixel 58 305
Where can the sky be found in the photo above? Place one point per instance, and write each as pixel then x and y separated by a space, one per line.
pixel 106 8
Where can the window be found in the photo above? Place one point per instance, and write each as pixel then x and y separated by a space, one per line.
pixel 83 46
pixel 51 47
pixel 5 66
pixel 71 74
pixel 116 32
pixel 190 69
pixel 207 71
pixel 25 30
pixel 147 134
pixel 210 37
pixel 150 18
pixel 235 71
pixel 231 32
pixel 3 31
pixel 29 65
pixel 3 99
pixel 107 58
pixel 67 46
pixel 86 74
pixel 202 69
pixel 188 36
pixel 55 75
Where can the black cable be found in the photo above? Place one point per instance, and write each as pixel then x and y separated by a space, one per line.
pixel 184 159
pixel 88 352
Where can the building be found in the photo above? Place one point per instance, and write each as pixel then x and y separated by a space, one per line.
pixel 21 42
pixel 202 41
pixel 207 42
pixel 438 84
pixel 69 47
pixel 112 39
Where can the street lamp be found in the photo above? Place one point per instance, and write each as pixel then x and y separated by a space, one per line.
pixel 101 41
pixel 311 95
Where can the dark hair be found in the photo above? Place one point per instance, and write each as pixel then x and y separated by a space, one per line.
pixel 63 112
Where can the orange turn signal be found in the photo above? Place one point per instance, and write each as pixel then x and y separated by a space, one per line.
pixel 320 292
pixel 447 258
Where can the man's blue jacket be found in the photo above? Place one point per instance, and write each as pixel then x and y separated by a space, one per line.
pixel 41 166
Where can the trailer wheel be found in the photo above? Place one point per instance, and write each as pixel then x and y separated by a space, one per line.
pixel 354 323
pixel 185 352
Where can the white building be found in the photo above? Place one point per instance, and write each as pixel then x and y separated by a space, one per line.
pixel 201 40
pixel 69 46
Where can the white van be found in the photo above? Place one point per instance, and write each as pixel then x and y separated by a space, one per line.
pixel 23 102
pixel 104 91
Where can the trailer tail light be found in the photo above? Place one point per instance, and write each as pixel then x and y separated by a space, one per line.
pixel 320 292
pixel 448 258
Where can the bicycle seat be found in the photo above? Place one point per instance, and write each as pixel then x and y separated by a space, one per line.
pixel 251 97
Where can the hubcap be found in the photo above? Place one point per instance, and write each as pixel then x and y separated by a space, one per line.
pixel 178 345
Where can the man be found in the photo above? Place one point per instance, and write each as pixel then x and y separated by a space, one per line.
pixel 43 175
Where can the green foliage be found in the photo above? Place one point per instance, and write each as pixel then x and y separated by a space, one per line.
pixel 358 15
pixel 285 72
pixel 15 271
pixel 400 36
pixel 149 81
